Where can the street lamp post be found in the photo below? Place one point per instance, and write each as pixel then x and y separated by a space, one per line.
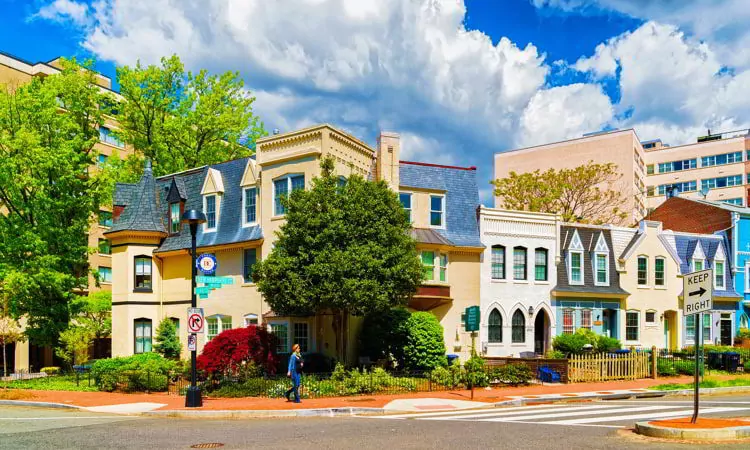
pixel 193 217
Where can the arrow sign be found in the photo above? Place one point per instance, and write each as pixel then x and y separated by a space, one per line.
pixel 697 292
pixel 195 320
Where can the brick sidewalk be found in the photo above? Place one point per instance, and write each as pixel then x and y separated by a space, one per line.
pixel 174 402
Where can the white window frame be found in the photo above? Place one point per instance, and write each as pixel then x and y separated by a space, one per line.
pixel 410 209
pixel 570 268
pixel 308 337
pixel 172 221
pixel 288 177
pixel 101 278
pixel 637 269
pixel 721 275
pixel 219 318
pixel 442 211
pixel 663 285
pixel 596 268
pixel 442 268
pixel 217 201
pixel 245 223
pixel 645 317
pixel 573 320
pixel 287 347
pixel 247 318
pixel 586 312
pixel 638 326
pixel 700 260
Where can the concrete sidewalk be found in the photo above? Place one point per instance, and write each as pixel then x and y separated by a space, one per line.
pixel 422 401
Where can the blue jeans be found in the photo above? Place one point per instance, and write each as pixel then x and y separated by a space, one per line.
pixel 296 381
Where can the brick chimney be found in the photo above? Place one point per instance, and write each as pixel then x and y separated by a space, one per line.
pixel 388 154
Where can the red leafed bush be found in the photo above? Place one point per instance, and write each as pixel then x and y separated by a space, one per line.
pixel 231 351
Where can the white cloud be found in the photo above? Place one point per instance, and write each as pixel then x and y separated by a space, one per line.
pixel 671 82
pixel 576 108
pixel 64 10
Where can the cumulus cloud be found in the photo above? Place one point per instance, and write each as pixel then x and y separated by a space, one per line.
pixel 671 84
pixel 65 10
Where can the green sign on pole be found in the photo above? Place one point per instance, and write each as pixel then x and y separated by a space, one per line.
pixel 471 318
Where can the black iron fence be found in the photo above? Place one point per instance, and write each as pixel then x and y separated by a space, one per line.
pixel 711 361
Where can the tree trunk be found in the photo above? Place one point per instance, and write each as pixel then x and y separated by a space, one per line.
pixel 5 362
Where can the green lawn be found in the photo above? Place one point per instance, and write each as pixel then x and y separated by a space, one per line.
pixel 706 383
pixel 53 383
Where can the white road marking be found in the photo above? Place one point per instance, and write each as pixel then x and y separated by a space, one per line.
pixel 663 415
pixel 573 414
pixel 468 411
pixel 522 413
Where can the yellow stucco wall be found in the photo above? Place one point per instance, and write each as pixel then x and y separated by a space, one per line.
pixel 662 300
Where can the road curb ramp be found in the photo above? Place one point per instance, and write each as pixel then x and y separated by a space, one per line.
pixel 693 434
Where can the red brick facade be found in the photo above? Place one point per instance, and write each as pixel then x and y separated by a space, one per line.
pixel 681 214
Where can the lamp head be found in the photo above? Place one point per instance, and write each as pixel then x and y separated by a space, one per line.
pixel 193 217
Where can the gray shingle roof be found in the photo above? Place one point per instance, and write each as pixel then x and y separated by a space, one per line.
pixel 461 198
pixel 589 237
pixel 429 236
pixel 143 208
pixel 123 193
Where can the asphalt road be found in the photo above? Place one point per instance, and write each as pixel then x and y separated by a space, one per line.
pixel 36 428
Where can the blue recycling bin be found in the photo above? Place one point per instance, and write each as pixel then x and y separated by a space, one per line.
pixel 547 375
pixel 451 359
pixel 622 351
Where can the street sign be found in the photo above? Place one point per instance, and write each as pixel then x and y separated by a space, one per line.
pixel 471 318
pixel 697 292
pixel 202 290
pixel 192 342
pixel 214 280
pixel 195 320
pixel 206 263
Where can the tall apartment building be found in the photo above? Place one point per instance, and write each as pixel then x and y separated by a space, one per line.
pixel 15 72
pixel 713 168
pixel 621 147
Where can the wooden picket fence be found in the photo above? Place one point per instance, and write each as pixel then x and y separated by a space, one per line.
pixel 609 366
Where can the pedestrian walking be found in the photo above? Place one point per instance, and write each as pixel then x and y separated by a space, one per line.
pixel 294 371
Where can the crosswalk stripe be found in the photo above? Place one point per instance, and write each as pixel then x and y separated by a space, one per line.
pixel 574 414
pixel 522 413
pixel 655 415
pixel 470 411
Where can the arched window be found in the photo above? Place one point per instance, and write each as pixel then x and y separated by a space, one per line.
pixel 519 327
pixel 743 321
pixel 495 327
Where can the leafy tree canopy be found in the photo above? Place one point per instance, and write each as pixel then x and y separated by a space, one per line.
pixel 343 248
pixel 48 194
pixel 589 193
pixel 167 341
pixel 182 119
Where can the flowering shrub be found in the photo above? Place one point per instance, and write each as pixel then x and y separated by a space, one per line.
pixel 236 351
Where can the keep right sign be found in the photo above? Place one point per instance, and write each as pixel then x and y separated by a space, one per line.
pixel 697 292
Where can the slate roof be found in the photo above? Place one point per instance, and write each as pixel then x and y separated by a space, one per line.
pixel 123 193
pixel 685 246
pixel 229 230
pixel 589 237
pixel 461 198
pixel 143 210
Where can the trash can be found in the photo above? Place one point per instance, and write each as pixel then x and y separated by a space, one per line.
pixel 451 359
pixel 731 361
pixel 715 360
pixel 622 351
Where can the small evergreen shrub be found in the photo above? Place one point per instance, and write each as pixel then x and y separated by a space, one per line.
pixel 167 342
pixel 476 373
pixel 425 347
pixel 665 368
pixel 50 370
pixel 145 371
pixel 514 374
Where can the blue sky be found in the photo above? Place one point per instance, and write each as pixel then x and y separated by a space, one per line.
pixel 459 79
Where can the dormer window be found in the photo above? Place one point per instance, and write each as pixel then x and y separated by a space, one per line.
pixel 437 210
pixel 249 202
pixel 601 262
pixel 698 265
pixel 174 218
pixel 719 279
pixel 209 208
pixel 698 258
pixel 281 189
pixel 575 260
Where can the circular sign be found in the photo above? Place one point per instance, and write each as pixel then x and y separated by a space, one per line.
pixel 195 323
pixel 206 263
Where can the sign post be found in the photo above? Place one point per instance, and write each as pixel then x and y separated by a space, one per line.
pixel 471 324
pixel 697 297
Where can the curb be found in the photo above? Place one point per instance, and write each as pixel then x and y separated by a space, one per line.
pixel 268 413
pixel 695 434
pixel 709 391
pixel 559 399
pixel 38 404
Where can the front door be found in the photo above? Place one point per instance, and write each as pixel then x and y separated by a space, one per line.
pixel 540 333
pixel 606 328
pixel 726 329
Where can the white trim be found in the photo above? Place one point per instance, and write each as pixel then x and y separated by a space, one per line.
pixel 723 275
pixel 595 264
pixel 442 212
pixel 288 177
pixel 411 204
pixel 638 327
pixel 244 204
pixel 637 280
pixel 250 316
pixel 570 268
pixel 664 275
pixel 217 203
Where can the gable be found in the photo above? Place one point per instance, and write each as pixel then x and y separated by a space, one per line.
pixel 250 176
pixel 601 244
pixel 698 253
pixel 575 242
pixel 213 183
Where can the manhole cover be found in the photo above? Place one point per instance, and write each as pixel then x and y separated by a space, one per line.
pixel 208 445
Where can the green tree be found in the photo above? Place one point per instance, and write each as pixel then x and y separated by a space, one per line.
pixel 183 120
pixel 425 347
pixel 384 335
pixel 91 320
pixel 48 194
pixel 10 333
pixel 344 249
pixel 590 193
pixel 167 341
